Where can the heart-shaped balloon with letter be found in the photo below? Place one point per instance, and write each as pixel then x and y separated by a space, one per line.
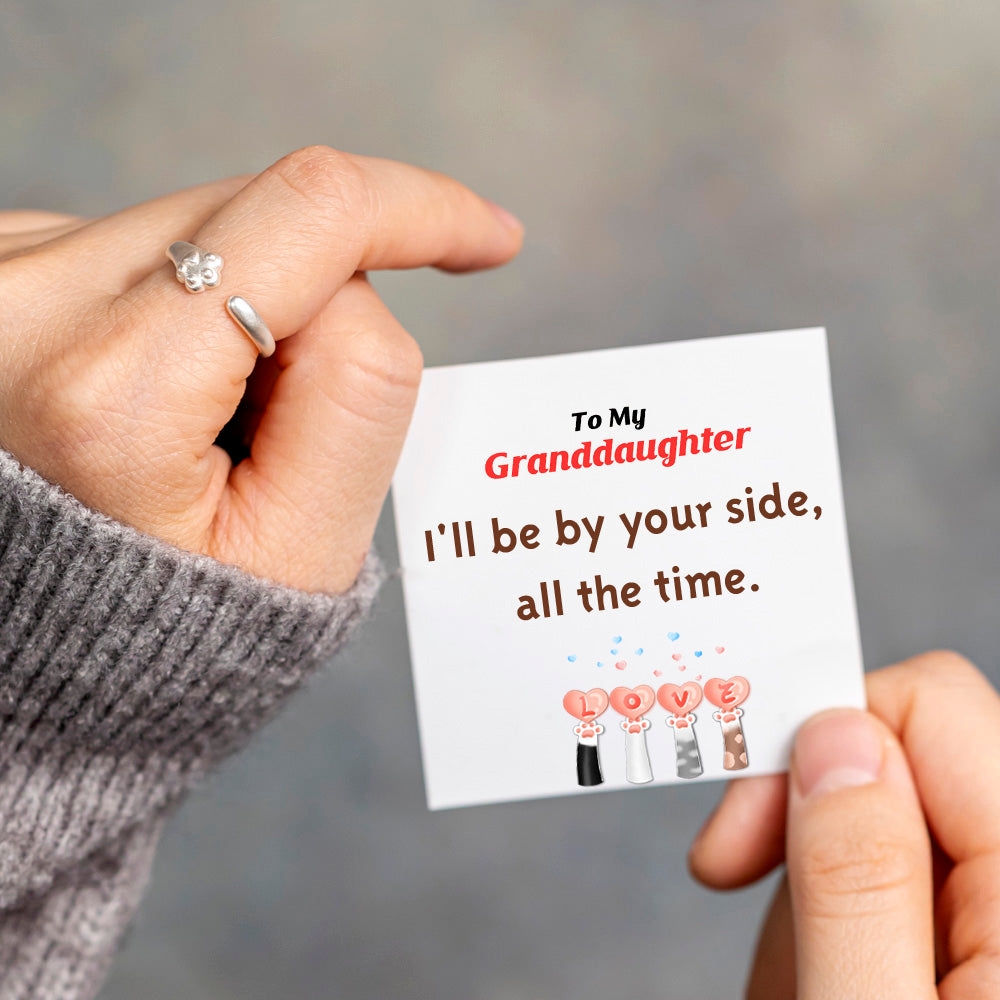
pixel 727 694
pixel 679 700
pixel 633 703
pixel 586 707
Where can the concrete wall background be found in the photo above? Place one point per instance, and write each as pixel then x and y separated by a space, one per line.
pixel 684 170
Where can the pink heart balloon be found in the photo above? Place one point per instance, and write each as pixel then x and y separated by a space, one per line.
pixel 586 707
pixel 633 703
pixel 727 694
pixel 679 700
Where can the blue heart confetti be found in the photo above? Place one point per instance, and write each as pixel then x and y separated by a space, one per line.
pixel 617 639
pixel 614 652
pixel 673 636
pixel 572 659
pixel 638 652
pixel 599 663
pixel 697 652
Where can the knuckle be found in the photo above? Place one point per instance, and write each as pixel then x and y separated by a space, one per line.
pixel 68 408
pixel 26 275
pixel 382 370
pixel 947 661
pixel 326 178
pixel 854 875
pixel 944 666
pixel 375 343
pixel 387 356
pixel 54 400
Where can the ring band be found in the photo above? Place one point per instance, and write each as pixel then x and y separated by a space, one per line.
pixel 197 269
pixel 248 320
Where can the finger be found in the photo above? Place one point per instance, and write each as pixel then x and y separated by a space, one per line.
pixel 772 975
pixel 79 265
pixel 325 447
pixel 80 260
pixel 947 713
pixel 859 863
pixel 112 253
pixel 967 913
pixel 300 229
pixel 955 764
pixel 20 230
pixel 744 838
pixel 16 222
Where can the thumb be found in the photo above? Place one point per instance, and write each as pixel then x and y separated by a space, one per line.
pixel 859 864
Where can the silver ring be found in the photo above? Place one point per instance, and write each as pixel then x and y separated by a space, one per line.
pixel 248 320
pixel 197 270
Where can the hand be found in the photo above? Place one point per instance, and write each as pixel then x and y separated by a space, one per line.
pixel 115 381
pixel 889 823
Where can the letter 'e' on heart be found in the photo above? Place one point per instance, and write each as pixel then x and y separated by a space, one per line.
pixel 727 694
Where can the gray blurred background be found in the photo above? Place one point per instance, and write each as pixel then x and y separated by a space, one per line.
pixel 684 169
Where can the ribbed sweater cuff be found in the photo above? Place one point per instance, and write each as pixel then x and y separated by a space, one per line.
pixel 128 667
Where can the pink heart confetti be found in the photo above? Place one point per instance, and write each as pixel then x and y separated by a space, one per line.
pixel 697 677
pixel 677 656
pixel 720 649
pixel 621 665
pixel 657 673
pixel 682 667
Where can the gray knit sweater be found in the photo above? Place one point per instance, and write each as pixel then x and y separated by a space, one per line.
pixel 128 668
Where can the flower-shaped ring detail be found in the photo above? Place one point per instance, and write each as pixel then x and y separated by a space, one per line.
pixel 196 268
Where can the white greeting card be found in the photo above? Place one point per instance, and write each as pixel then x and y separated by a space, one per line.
pixel 624 567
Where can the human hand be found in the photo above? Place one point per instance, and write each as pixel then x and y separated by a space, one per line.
pixel 889 823
pixel 115 382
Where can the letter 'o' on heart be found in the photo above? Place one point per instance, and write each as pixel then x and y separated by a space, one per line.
pixel 679 700
pixel 727 694
pixel 586 707
pixel 633 703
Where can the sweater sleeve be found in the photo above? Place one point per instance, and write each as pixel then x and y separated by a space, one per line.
pixel 128 668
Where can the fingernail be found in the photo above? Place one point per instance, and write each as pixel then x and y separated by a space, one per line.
pixel 837 749
pixel 510 221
